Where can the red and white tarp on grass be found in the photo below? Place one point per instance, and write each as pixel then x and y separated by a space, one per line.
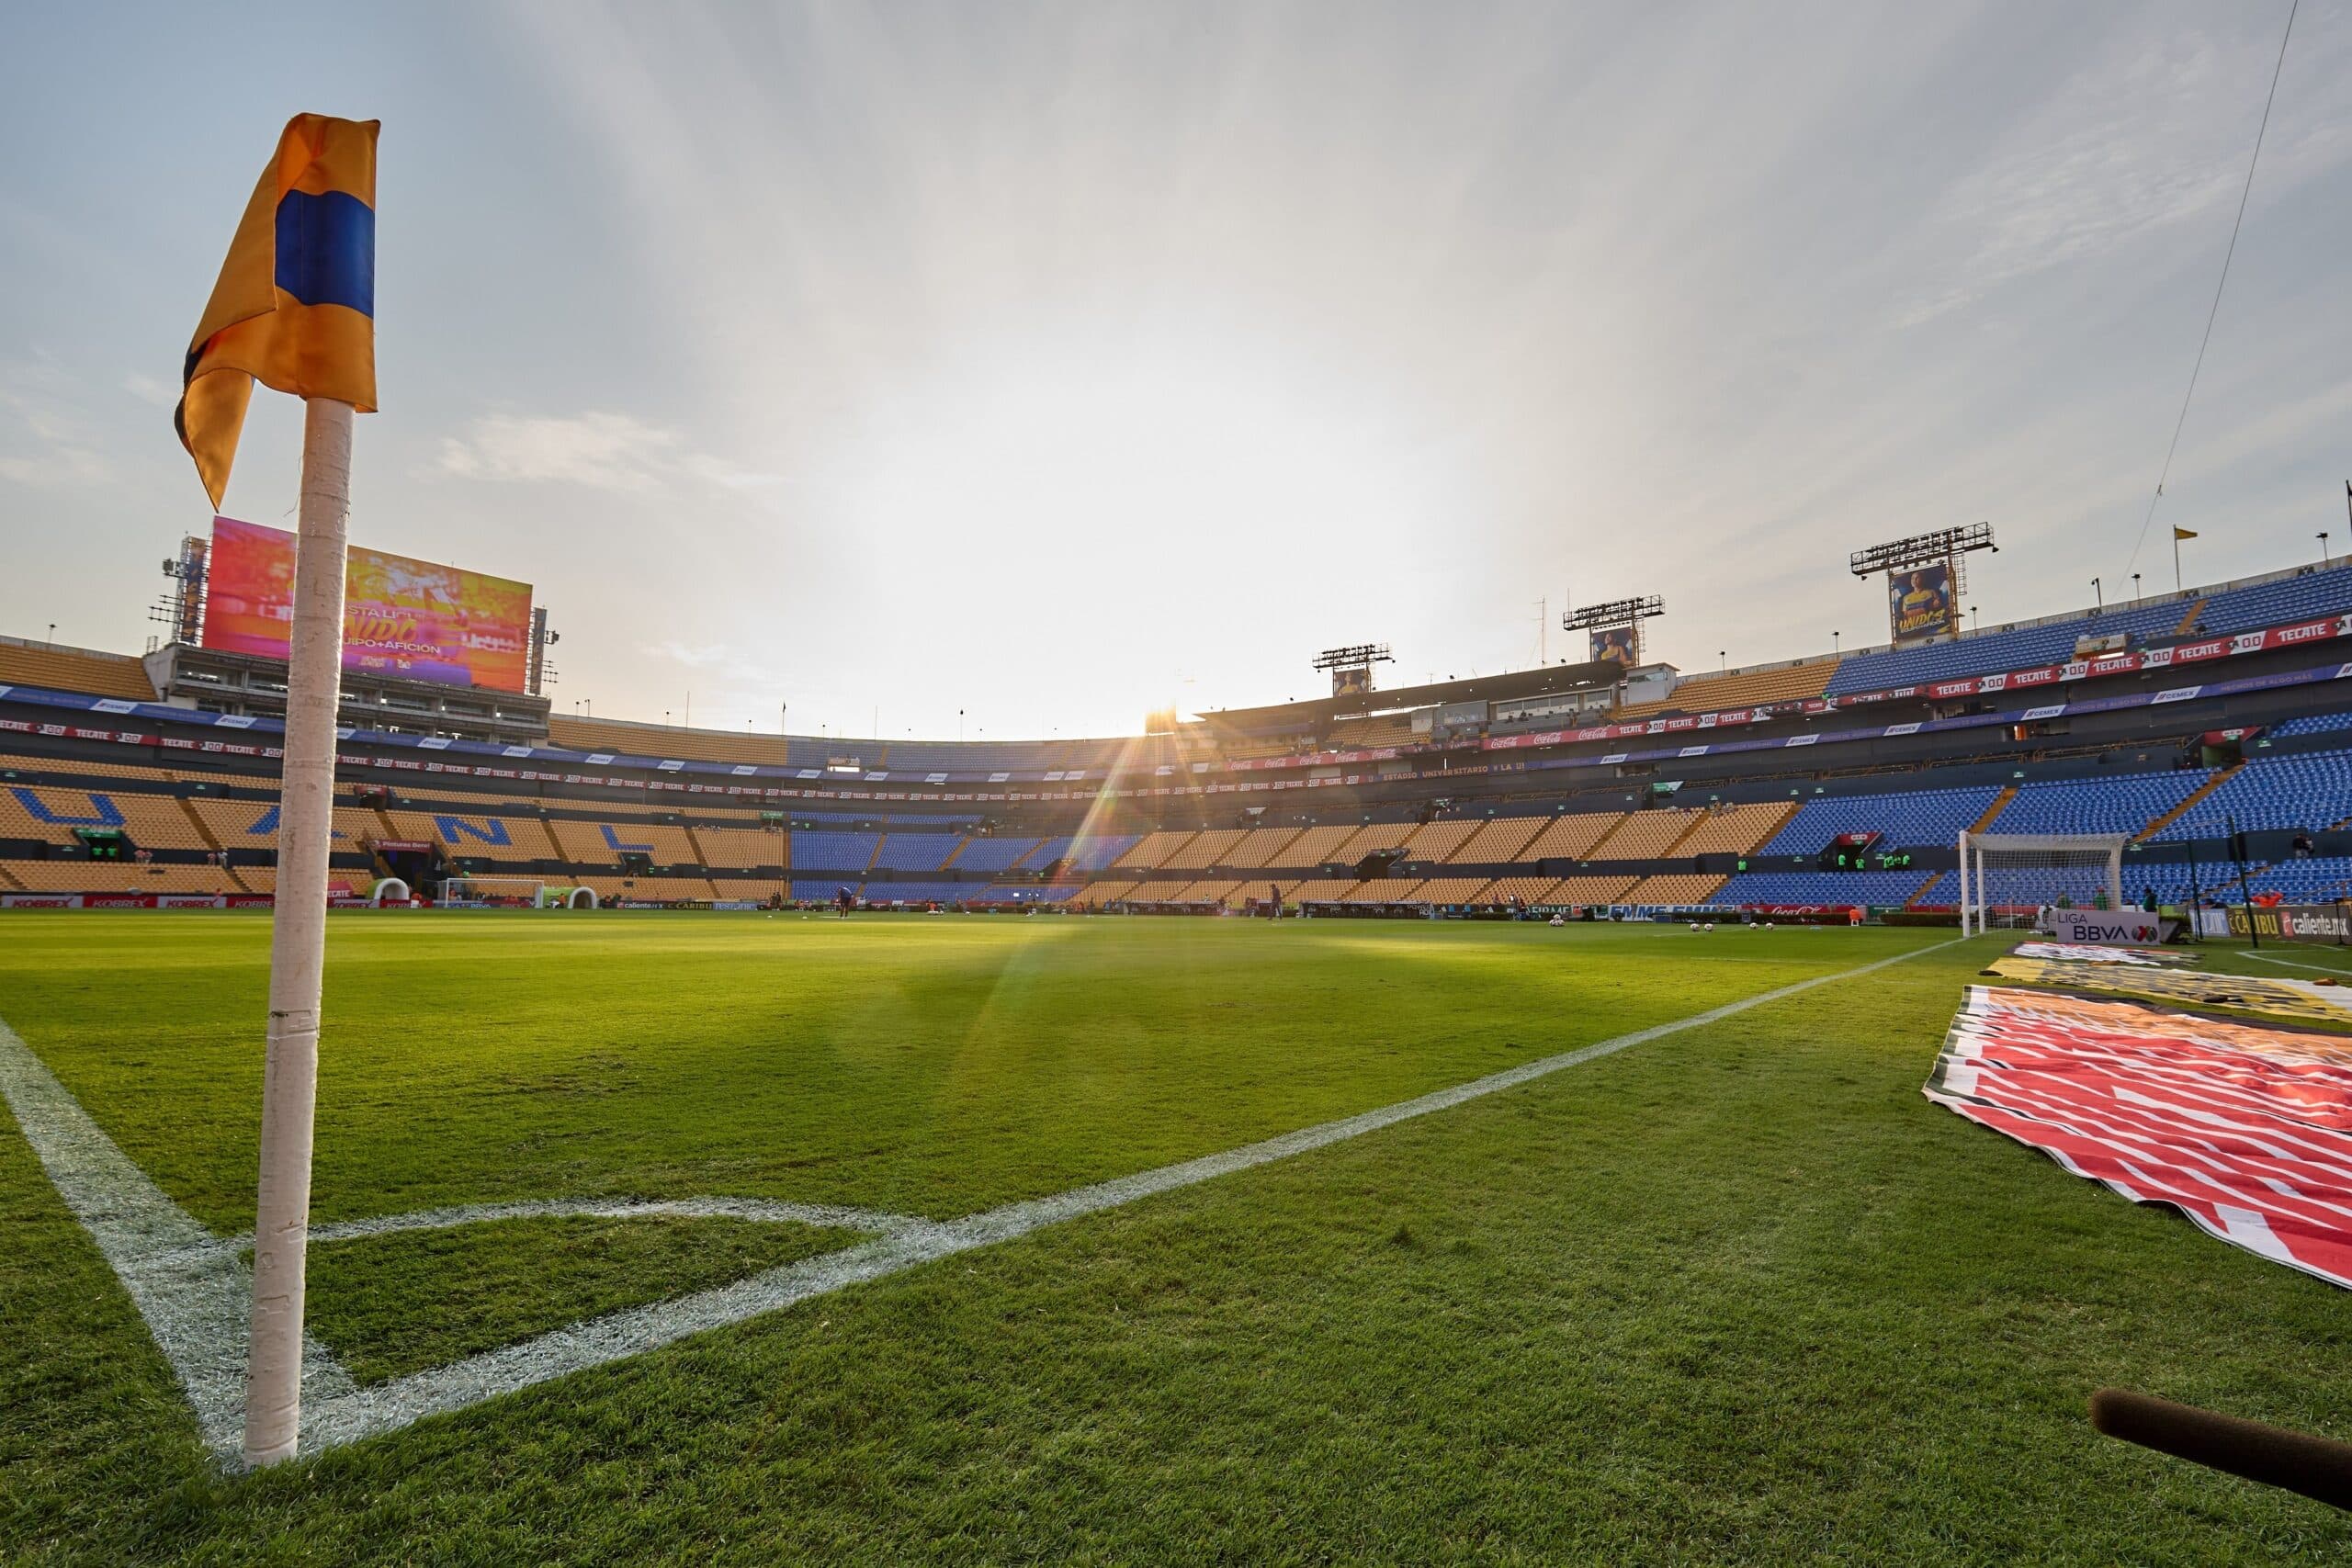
pixel 2245 1129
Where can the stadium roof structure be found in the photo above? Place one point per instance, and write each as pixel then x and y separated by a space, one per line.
pixel 1546 680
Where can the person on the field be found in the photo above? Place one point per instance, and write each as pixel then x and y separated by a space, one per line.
pixel 841 901
pixel 1274 900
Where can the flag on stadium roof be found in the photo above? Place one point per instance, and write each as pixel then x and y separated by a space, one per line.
pixel 295 306
pixel 2246 1130
pixel 2184 533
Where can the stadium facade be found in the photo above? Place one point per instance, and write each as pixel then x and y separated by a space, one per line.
pixel 2178 720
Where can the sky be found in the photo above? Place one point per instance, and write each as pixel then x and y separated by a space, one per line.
pixel 1012 370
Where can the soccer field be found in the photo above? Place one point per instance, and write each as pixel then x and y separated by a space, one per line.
pixel 1728 1289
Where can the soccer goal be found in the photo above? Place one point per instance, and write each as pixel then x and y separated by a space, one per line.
pixel 2005 878
pixel 508 893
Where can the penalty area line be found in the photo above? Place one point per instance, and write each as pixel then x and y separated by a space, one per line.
pixel 356 1414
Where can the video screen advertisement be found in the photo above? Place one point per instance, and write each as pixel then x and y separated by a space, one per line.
pixel 1614 644
pixel 403 618
pixel 1920 603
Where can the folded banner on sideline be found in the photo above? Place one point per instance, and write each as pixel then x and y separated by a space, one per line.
pixel 2246 1130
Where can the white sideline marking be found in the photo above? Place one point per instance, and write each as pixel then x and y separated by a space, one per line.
pixel 830 1217
pixel 335 1411
pixel 2314 969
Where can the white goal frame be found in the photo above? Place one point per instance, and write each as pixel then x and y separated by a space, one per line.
pixel 533 890
pixel 1975 846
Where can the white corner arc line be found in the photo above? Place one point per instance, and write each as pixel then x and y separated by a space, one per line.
pixel 193 1288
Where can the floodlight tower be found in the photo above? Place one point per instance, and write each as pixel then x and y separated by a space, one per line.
pixel 1925 606
pixel 1351 667
pixel 1621 615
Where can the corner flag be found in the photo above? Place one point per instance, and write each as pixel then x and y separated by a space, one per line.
pixel 295 306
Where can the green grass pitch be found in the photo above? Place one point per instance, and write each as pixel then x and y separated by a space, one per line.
pixel 1735 1293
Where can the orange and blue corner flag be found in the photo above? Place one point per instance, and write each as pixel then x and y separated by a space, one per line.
pixel 294 307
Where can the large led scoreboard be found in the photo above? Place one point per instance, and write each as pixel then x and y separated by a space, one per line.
pixel 413 619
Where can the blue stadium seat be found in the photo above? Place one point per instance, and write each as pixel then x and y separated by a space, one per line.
pixel 1927 819
pixel 2126 804
pixel 848 852
pixel 2311 790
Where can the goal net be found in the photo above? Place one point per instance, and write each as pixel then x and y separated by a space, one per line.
pixel 494 892
pixel 2007 878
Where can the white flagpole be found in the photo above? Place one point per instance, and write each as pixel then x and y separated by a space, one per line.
pixel 298 937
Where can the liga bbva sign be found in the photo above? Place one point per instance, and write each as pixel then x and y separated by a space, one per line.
pixel 1920 603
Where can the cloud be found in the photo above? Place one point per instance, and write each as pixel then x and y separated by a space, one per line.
pixel 147 389
pixel 615 452
pixel 693 657
pixel 55 447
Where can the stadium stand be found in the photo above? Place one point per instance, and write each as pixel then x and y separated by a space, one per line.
pixel 1108 891
pixel 742 848
pixel 2316 880
pixel 603 843
pixel 1645 835
pixel 1151 851
pixel 1204 849
pixel 992 855
pixel 1916 819
pixel 477 836
pixel 2313 723
pixel 1527 889
pixel 1711 693
pixel 1373 838
pixel 1498 840
pixel 1439 841
pixel 26 664
pixel 1867 888
pixel 1571 837
pixel 2305 595
pixel 1735 830
pixel 2309 791
pixel 1315 847
pixel 915 852
pixel 1450 890
pixel 1086 852
pixel 1259 846
pixel 1595 889
pixel 1317 890
pixel 1675 888
pixel 2126 805
pixel 846 853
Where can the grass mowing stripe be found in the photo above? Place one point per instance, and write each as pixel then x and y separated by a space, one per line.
pixel 389 1406
pixel 192 1288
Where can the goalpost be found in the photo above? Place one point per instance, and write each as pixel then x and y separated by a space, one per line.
pixel 485 892
pixel 2010 872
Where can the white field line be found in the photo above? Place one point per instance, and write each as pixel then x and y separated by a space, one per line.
pixel 389 1406
pixel 193 1288
pixel 2314 969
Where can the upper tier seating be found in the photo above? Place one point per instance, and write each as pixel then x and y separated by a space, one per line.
pixel 1357 734
pixel 1711 693
pixel 625 739
pixel 73 670
pixel 1909 818
pixel 2307 595
pixel 2311 790
pixel 1991 652
pixel 2122 805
